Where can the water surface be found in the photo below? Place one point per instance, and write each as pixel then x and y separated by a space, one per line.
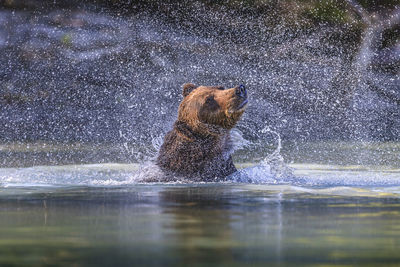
pixel 335 204
pixel 91 215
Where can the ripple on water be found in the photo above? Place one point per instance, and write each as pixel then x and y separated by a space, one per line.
pixel 310 179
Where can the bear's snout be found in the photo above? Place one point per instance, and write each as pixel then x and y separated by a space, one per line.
pixel 241 91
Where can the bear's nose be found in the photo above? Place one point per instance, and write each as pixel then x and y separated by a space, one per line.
pixel 241 91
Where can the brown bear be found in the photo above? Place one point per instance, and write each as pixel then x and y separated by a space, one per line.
pixel 199 145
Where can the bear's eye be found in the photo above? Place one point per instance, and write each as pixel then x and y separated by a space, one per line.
pixel 211 103
pixel 220 88
pixel 209 100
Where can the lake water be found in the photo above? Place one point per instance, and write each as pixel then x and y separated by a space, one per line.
pixel 97 215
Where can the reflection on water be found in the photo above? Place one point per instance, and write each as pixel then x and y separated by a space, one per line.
pixel 199 224
pixel 99 215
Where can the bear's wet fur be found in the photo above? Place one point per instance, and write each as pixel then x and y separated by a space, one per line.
pixel 199 146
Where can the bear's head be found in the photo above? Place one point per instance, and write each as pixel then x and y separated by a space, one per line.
pixel 211 110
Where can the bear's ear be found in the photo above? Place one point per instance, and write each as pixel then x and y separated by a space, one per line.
pixel 187 88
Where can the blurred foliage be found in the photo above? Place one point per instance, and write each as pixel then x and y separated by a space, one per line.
pixel 316 11
pixel 328 11
pixel 66 39
pixel 376 5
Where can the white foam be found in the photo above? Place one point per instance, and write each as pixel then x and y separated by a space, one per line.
pixel 305 175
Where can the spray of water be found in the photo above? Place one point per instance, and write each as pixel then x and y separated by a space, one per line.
pixel 275 160
pixel 271 167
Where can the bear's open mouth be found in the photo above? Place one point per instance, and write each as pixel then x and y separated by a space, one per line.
pixel 242 105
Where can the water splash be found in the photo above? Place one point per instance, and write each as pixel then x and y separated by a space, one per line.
pixel 272 167
pixel 134 65
pixel 275 160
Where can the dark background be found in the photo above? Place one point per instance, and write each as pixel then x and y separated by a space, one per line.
pixel 112 71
